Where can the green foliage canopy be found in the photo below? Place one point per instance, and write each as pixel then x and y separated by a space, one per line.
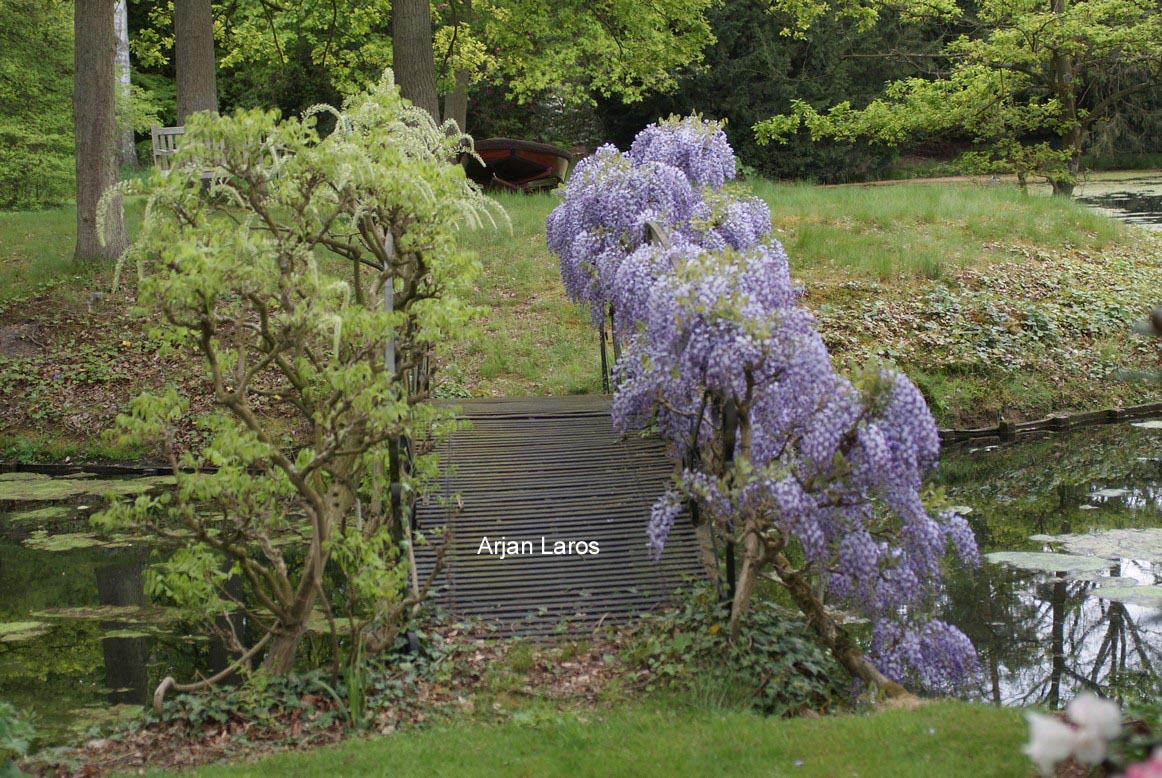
pixel 295 56
pixel 36 77
pixel 1027 85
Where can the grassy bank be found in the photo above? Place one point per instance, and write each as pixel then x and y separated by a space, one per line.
pixel 995 303
pixel 947 739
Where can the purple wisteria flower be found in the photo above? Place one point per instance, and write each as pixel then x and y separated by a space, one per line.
pixel 711 319
pixel 603 219
pixel 697 147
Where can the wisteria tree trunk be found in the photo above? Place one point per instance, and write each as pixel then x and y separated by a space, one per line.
pixel 842 646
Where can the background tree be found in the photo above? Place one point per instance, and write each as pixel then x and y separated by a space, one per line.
pixel 412 56
pixel 1028 85
pixel 94 92
pixel 127 146
pixel 295 56
pixel 197 88
pixel 36 123
pixel 753 71
pixel 572 52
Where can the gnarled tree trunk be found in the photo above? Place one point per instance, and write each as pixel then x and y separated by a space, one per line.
pixel 833 635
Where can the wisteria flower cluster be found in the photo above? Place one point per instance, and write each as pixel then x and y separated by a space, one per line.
pixel 698 148
pixel 669 178
pixel 717 347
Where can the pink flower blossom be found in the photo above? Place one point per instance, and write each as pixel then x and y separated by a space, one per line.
pixel 1148 769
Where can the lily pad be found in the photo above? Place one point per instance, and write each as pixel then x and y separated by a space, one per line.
pixel 43 488
pixel 42 540
pixel 51 513
pixel 103 716
pixel 1106 580
pixel 17 631
pixel 120 614
pixel 130 633
pixel 1113 544
pixel 1048 563
pixel 1135 595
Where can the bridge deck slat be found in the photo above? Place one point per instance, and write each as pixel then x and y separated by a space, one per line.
pixel 552 467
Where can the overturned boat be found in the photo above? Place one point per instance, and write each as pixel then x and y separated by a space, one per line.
pixel 517 164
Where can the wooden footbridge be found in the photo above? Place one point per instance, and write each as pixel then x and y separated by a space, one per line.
pixel 548 511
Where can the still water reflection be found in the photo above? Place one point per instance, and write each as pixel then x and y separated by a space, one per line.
pixel 1134 197
pixel 1046 636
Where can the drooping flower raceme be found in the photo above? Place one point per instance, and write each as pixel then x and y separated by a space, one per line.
pixel 603 218
pixel 833 465
pixel 729 221
pixel 711 328
pixel 669 177
pixel 696 147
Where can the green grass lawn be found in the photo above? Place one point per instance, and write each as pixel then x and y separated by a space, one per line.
pixel 36 249
pixel 944 739
pixel 995 303
pixel 920 230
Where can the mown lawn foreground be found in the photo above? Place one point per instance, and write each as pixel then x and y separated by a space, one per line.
pixel 942 739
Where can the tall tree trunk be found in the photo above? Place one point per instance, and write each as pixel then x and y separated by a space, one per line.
pixel 1063 187
pixel 456 102
pixel 127 149
pixel 412 58
pixel 95 122
pixel 193 24
pixel 1065 85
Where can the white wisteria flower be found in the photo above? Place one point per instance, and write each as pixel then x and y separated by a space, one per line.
pixel 1094 723
pixel 1050 741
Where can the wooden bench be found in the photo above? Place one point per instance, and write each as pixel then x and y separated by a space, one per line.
pixel 165 145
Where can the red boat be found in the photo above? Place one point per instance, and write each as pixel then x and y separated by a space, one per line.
pixel 517 164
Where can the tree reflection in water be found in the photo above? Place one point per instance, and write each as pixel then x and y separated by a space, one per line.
pixel 1044 638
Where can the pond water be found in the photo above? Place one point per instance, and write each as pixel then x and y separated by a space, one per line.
pixel 80 641
pixel 1134 197
pixel 1090 619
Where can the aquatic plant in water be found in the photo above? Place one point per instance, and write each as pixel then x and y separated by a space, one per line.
pixel 816 477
